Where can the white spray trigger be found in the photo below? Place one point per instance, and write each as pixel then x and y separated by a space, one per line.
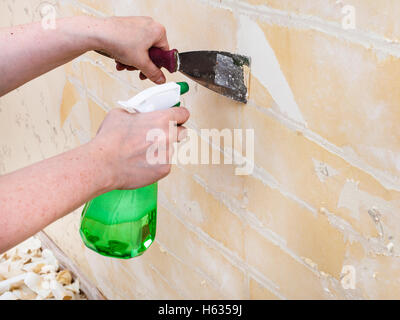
pixel 155 98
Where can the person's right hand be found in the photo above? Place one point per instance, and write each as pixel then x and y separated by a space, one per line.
pixel 122 143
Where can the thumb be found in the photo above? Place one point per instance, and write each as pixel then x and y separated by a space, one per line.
pixel 151 71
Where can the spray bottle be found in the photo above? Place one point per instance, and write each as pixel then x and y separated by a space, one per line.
pixel 122 223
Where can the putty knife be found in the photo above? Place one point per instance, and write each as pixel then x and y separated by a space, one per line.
pixel 225 73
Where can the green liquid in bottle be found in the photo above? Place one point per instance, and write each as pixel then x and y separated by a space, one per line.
pixel 121 224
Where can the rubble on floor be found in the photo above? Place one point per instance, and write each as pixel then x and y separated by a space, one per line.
pixel 29 272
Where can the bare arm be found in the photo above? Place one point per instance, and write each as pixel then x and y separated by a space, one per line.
pixel 28 51
pixel 34 197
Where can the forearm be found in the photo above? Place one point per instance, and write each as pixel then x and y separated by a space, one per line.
pixel 28 51
pixel 34 197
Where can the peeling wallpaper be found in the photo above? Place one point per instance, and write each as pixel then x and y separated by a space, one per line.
pixel 322 204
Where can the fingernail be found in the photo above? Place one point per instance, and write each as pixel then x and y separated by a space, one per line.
pixel 161 80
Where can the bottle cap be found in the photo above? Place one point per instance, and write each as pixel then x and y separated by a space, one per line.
pixel 184 87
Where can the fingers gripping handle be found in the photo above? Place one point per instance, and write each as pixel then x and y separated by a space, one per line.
pixel 167 59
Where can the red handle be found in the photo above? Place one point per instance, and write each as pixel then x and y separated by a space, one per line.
pixel 166 59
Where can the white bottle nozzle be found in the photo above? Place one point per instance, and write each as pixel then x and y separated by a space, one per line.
pixel 156 98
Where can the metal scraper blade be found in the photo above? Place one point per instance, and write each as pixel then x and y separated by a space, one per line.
pixel 223 72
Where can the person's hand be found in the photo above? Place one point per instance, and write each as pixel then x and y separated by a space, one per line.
pixel 122 142
pixel 128 40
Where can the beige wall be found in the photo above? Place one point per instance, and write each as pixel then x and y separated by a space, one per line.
pixel 325 193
